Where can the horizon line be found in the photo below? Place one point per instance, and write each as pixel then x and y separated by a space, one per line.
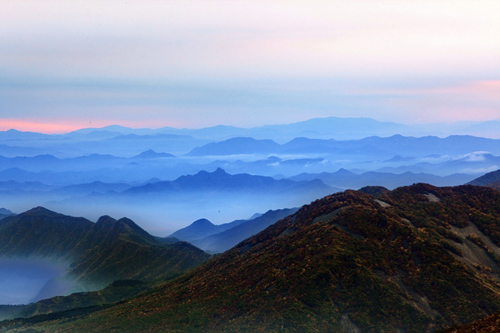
pixel 55 128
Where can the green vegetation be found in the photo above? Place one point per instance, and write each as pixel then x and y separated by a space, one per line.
pixel 97 253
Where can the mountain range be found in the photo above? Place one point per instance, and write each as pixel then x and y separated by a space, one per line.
pixel 221 181
pixel 396 144
pixel 216 195
pixel 320 128
pixel 415 259
pixel 93 254
pixel 87 168
pixel 346 179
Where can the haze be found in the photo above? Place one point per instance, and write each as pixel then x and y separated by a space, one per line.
pixel 67 65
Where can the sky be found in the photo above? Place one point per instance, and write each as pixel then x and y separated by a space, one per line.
pixel 65 64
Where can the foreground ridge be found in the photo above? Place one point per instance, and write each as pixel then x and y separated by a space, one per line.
pixel 416 259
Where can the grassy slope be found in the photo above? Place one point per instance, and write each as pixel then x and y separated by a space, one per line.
pixel 402 263
pixel 98 253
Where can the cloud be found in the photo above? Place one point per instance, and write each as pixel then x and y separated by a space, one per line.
pixel 198 63
pixel 173 39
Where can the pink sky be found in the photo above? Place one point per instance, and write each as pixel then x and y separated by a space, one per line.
pixel 40 127
pixel 65 64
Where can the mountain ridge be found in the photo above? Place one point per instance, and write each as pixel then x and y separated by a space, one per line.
pixel 220 180
pixel 95 252
pixel 418 258
pixel 491 179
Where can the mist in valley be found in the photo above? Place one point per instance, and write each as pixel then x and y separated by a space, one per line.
pixel 166 180
pixel 24 281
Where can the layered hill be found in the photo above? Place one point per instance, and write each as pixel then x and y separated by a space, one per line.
pixel 415 259
pixel 373 146
pixel 220 181
pixel 239 231
pixel 96 254
pixel 5 212
pixel 346 179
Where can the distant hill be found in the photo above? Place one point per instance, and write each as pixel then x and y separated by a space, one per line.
pixel 491 179
pixel 96 186
pixel 385 147
pixel 221 181
pixel 97 253
pixel 150 154
pixel 4 213
pixel 219 238
pixel 321 128
pixel 226 239
pixel 236 146
pixel 339 128
pixel 346 179
pixel 198 229
pixel 415 259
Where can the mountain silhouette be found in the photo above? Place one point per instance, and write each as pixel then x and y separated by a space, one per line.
pixel 236 146
pixel 220 180
pixel 198 229
pixel 97 253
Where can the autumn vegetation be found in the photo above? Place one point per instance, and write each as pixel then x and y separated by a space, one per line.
pixel 416 259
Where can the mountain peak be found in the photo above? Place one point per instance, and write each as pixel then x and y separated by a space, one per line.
pixel 343 171
pixel 105 219
pixel 40 211
pixel 5 211
pixel 220 171
pixel 195 230
pixel 150 153
pixel 202 222
pixel 217 172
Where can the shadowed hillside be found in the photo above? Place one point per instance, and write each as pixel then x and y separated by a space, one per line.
pixel 487 324
pixel 415 259
pixel 96 253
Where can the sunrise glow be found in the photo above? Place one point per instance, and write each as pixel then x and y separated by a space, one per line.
pixel 246 63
